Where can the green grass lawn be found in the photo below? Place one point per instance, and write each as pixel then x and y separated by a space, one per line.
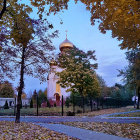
pixel 56 111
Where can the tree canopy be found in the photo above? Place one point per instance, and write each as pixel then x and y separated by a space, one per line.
pixel 24 95
pixel 6 90
pixel 78 73
pixel 42 96
pixel 37 49
pixel 26 44
pixel 131 74
pixel 119 16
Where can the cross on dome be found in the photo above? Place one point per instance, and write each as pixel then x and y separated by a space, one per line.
pixel 66 33
pixel 66 44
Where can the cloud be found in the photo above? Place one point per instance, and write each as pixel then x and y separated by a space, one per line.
pixel 108 69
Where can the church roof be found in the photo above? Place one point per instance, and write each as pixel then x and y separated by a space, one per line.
pixel 65 44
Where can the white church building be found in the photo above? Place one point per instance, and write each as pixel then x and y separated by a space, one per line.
pixel 54 90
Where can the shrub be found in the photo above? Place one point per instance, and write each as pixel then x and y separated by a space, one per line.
pixel 98 108
pixel 26 106
pixel 67 103
pixel 31 103
pixel 6 105
pixel 79 111
pixel 69 113
pixel 48 104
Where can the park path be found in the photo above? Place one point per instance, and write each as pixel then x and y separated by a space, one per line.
pixel 57 119
pixel 79 133
pixel 108 115
pixel 41 119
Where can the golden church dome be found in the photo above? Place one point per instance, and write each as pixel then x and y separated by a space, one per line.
pixel 65 44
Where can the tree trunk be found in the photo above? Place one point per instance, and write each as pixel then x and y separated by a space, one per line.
pixel 138 98
pixel 97 103
pixel 91 107
pixel 73 100
pixel 21 86
pixel 3 9
pixel 83 104
pixel 135 98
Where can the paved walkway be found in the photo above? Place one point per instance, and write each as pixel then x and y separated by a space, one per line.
pixel 52 119
pixel 82 134
pixel 79 133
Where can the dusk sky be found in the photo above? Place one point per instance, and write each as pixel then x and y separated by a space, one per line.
pixel 86 37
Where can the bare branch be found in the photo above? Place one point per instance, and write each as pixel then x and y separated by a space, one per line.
pixel 30 64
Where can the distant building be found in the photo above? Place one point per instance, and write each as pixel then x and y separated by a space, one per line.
pixel 54 90
pixel 11 102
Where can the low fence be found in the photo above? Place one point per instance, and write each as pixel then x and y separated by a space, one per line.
pixel 68 107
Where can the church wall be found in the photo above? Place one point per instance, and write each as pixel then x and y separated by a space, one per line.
pixel 53 87
pixel 52 84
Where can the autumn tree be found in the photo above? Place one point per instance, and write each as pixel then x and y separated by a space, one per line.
pixel 6 90
pixel 42 96
pixel 8 13
pixel 23 95
pixel 78 73
pixel 122 92
pixel 131 74
pixel 11 14
pixel 30 49
pixel 25 44
pixel 5 69
pixel 119 16
pixel 104 89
